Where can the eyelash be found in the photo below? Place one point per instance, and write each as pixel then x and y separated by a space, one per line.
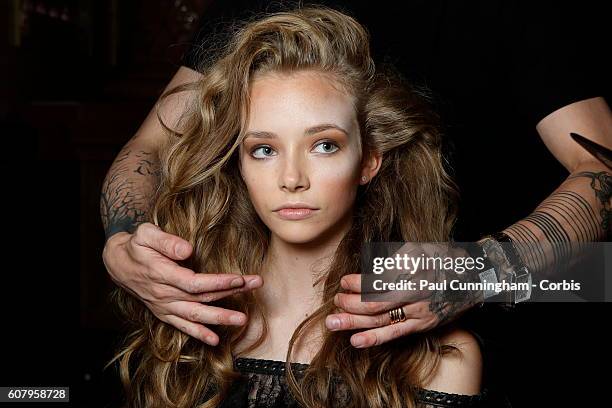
pixel 320 143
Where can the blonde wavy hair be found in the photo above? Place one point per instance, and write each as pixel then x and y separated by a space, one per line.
pixel 203 199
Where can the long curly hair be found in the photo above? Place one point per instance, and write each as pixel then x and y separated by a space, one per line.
pixel 203 199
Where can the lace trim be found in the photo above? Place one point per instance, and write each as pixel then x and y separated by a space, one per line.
pixel 260 366
pixel 436 398
pixel 442 399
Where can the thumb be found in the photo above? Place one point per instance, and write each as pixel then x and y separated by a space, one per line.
pixel 172 246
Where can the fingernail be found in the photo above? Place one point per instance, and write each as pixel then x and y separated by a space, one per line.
pixel 359 342
pixel 253 283
pixel 236 319
pixel 210 340
pixel 182 250
pixel 236 282
pixel 333 323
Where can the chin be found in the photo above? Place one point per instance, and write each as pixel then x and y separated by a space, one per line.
pixel 297 233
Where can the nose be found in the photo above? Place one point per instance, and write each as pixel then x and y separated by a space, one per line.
pixel 294 172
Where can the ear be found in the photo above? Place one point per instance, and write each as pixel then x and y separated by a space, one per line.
pixel 370 166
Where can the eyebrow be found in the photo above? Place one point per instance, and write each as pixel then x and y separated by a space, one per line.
pixel 310 131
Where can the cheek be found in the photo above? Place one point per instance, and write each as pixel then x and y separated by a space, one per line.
pixel 338 181
pixel 247 176
pixel 258 181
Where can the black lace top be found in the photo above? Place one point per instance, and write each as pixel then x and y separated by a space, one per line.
pixel 263 384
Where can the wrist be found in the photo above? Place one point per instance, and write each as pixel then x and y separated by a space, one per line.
pixel 505 267
pixel 118 237
pixel 116 240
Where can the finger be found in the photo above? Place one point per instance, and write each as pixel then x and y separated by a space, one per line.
pixel 381 335
pixel 194 330
pixel 199 313
pixel 351 302
pixel 189 281
pixel 349 321
pixel 167 293
pixel 171 246
pixel 351 282
pixel 207 297
pixel 346 321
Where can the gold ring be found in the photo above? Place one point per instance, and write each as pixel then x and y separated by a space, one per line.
pixel 397 315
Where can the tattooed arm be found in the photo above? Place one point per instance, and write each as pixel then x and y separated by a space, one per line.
pixel 579 209
pixel 550 239
pixel 139 256
pixel 131 180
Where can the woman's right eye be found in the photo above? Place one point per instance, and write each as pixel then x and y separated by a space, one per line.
pixel 266 149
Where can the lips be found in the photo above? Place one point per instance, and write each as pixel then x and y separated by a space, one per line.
pixel 296 205
pixel 296 211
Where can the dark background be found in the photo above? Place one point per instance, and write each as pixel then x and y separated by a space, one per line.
pixel 78 77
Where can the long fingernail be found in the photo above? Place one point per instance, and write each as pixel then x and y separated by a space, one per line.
pixel 236 282
pixel 333 323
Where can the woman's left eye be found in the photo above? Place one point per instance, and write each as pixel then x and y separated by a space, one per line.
pixel 328 146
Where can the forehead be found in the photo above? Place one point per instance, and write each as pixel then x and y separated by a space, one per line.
pixel 300 98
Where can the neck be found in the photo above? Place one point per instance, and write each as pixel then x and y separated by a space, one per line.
pixel 291 271
pixel 289 295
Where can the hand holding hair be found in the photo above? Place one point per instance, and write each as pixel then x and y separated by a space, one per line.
pixel 402 313
pixel 143 264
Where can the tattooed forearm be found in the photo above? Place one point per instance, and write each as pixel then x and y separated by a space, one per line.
pixel 601 183
pixel 555 234
pixel 145 166
pixel 127 189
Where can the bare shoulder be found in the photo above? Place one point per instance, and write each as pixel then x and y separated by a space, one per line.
pixel 459 371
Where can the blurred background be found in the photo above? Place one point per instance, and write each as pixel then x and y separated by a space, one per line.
pixel 77 78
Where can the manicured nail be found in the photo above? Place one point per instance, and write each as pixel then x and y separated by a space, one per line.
pixel 333 323
pixel 236 282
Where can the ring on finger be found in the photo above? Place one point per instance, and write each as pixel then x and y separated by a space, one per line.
pixel 397 315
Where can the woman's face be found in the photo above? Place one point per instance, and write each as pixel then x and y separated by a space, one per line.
pixel 302 150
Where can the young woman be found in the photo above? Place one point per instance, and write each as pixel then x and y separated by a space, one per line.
pixel 298 150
